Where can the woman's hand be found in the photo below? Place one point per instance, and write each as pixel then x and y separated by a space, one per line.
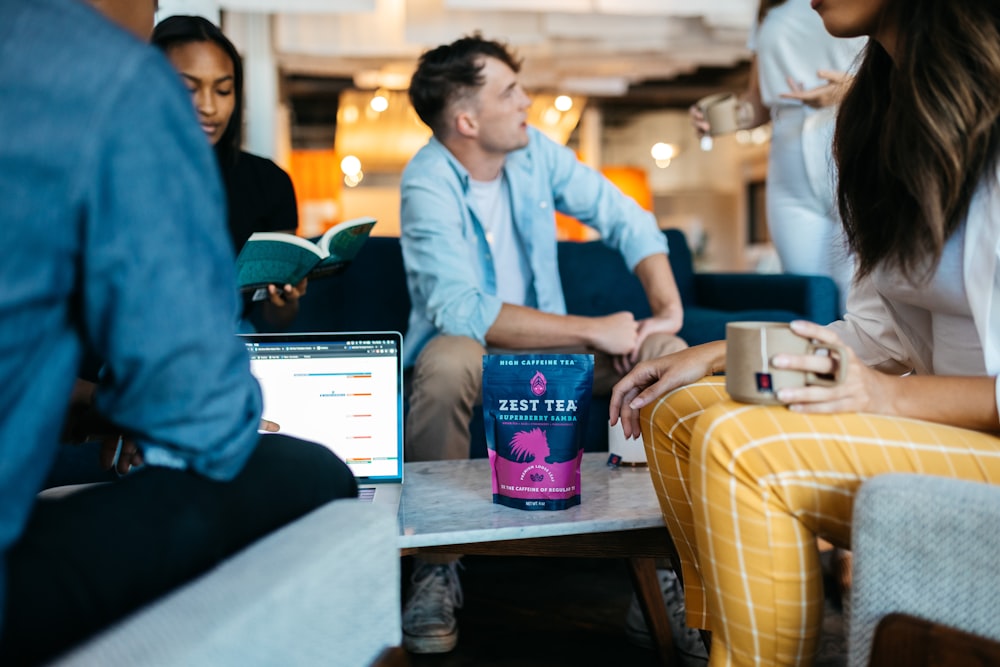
pixel 287 296
pixel 282 303
pixel 825 95
pixel 862 390
pixel 651 379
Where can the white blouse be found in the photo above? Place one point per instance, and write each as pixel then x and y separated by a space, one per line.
pixel 949 326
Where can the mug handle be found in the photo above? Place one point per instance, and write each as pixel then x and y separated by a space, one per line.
pixel 824 381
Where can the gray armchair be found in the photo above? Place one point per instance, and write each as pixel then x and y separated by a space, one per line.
pixel 925 558
pixel 323 590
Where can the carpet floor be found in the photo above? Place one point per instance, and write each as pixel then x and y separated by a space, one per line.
pixel 554 612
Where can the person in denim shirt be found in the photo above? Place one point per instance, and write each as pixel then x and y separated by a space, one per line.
pixel 479 245
pixel 113 222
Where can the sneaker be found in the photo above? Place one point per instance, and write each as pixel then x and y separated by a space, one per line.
pixel 429 624
pixel 687 641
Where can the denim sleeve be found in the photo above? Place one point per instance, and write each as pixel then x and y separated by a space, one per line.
pixel 591 198
pixel 159 295
pixel 445 272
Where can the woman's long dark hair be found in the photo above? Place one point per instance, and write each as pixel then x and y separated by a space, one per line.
pixel 915 136
pixel 179 30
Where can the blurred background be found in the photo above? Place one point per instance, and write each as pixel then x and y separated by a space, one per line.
pixel 612 79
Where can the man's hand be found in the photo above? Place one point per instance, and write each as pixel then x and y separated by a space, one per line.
pixel 127 453
pixel 615 334
pixel 84 424
pixel 670 324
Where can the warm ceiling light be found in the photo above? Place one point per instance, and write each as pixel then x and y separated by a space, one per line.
pixel 563 103
pixel 662 151
pixel 379 103
pixel 550 116
pixel 350 114
pixel 760 135
pixel 350 165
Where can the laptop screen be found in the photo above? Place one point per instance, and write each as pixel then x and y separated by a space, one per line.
pixel 340 390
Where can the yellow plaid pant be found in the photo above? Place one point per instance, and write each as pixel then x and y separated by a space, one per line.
pixel 745 490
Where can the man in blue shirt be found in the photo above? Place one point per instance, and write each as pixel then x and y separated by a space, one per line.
pixel 113 227
pixel 479 244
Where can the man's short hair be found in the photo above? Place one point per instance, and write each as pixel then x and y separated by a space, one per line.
pixel 450 72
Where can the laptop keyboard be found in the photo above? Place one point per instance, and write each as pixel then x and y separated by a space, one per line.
pixel 366 494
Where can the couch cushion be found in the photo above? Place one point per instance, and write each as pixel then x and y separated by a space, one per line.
pixel 587 287
pixel 682 264
pixel 704 325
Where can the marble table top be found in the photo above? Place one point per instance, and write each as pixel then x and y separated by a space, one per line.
pixel 451 502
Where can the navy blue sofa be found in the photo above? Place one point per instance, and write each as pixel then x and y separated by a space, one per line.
pixel 371 295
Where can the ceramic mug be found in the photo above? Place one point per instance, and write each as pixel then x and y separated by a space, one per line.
pixel 631 451
pixel 750 348
pixel 724 113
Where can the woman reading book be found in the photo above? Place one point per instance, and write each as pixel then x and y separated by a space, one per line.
pixel 260 194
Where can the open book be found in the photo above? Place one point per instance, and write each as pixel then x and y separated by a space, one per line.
pixel 280 259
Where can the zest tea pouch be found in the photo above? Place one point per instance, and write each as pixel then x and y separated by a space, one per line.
pixel 535 409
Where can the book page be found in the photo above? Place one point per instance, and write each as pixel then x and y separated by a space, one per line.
pixel 343 241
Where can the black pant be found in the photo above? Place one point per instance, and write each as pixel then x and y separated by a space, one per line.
pixel 90 558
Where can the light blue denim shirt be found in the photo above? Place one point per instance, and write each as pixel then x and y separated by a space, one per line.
pixel 449 266
pixel 114 236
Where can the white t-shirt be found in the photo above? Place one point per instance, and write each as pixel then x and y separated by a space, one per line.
pixel 792 42
pixel 491 201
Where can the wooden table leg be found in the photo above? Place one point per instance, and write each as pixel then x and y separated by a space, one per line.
pixel 647 587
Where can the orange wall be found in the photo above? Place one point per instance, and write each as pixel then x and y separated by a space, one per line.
pixel 630 180
pixel 317 180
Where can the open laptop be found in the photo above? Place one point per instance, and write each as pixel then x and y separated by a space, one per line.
pixel 343 391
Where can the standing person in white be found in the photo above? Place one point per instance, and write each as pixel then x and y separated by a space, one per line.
pixel 797 78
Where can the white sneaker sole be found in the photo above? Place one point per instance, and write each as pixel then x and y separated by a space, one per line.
pixel 430 644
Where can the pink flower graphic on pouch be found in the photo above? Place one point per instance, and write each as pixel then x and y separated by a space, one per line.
pixel 527 446
pixel 538 384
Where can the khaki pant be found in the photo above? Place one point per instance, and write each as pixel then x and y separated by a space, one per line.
pixel 745 490
pixel 447 385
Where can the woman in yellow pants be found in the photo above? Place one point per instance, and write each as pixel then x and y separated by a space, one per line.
pixel 745 489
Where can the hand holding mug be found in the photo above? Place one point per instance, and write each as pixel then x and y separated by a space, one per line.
pixel 698 120
pixel 766 360
pixel 862 389
pixel 721 113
